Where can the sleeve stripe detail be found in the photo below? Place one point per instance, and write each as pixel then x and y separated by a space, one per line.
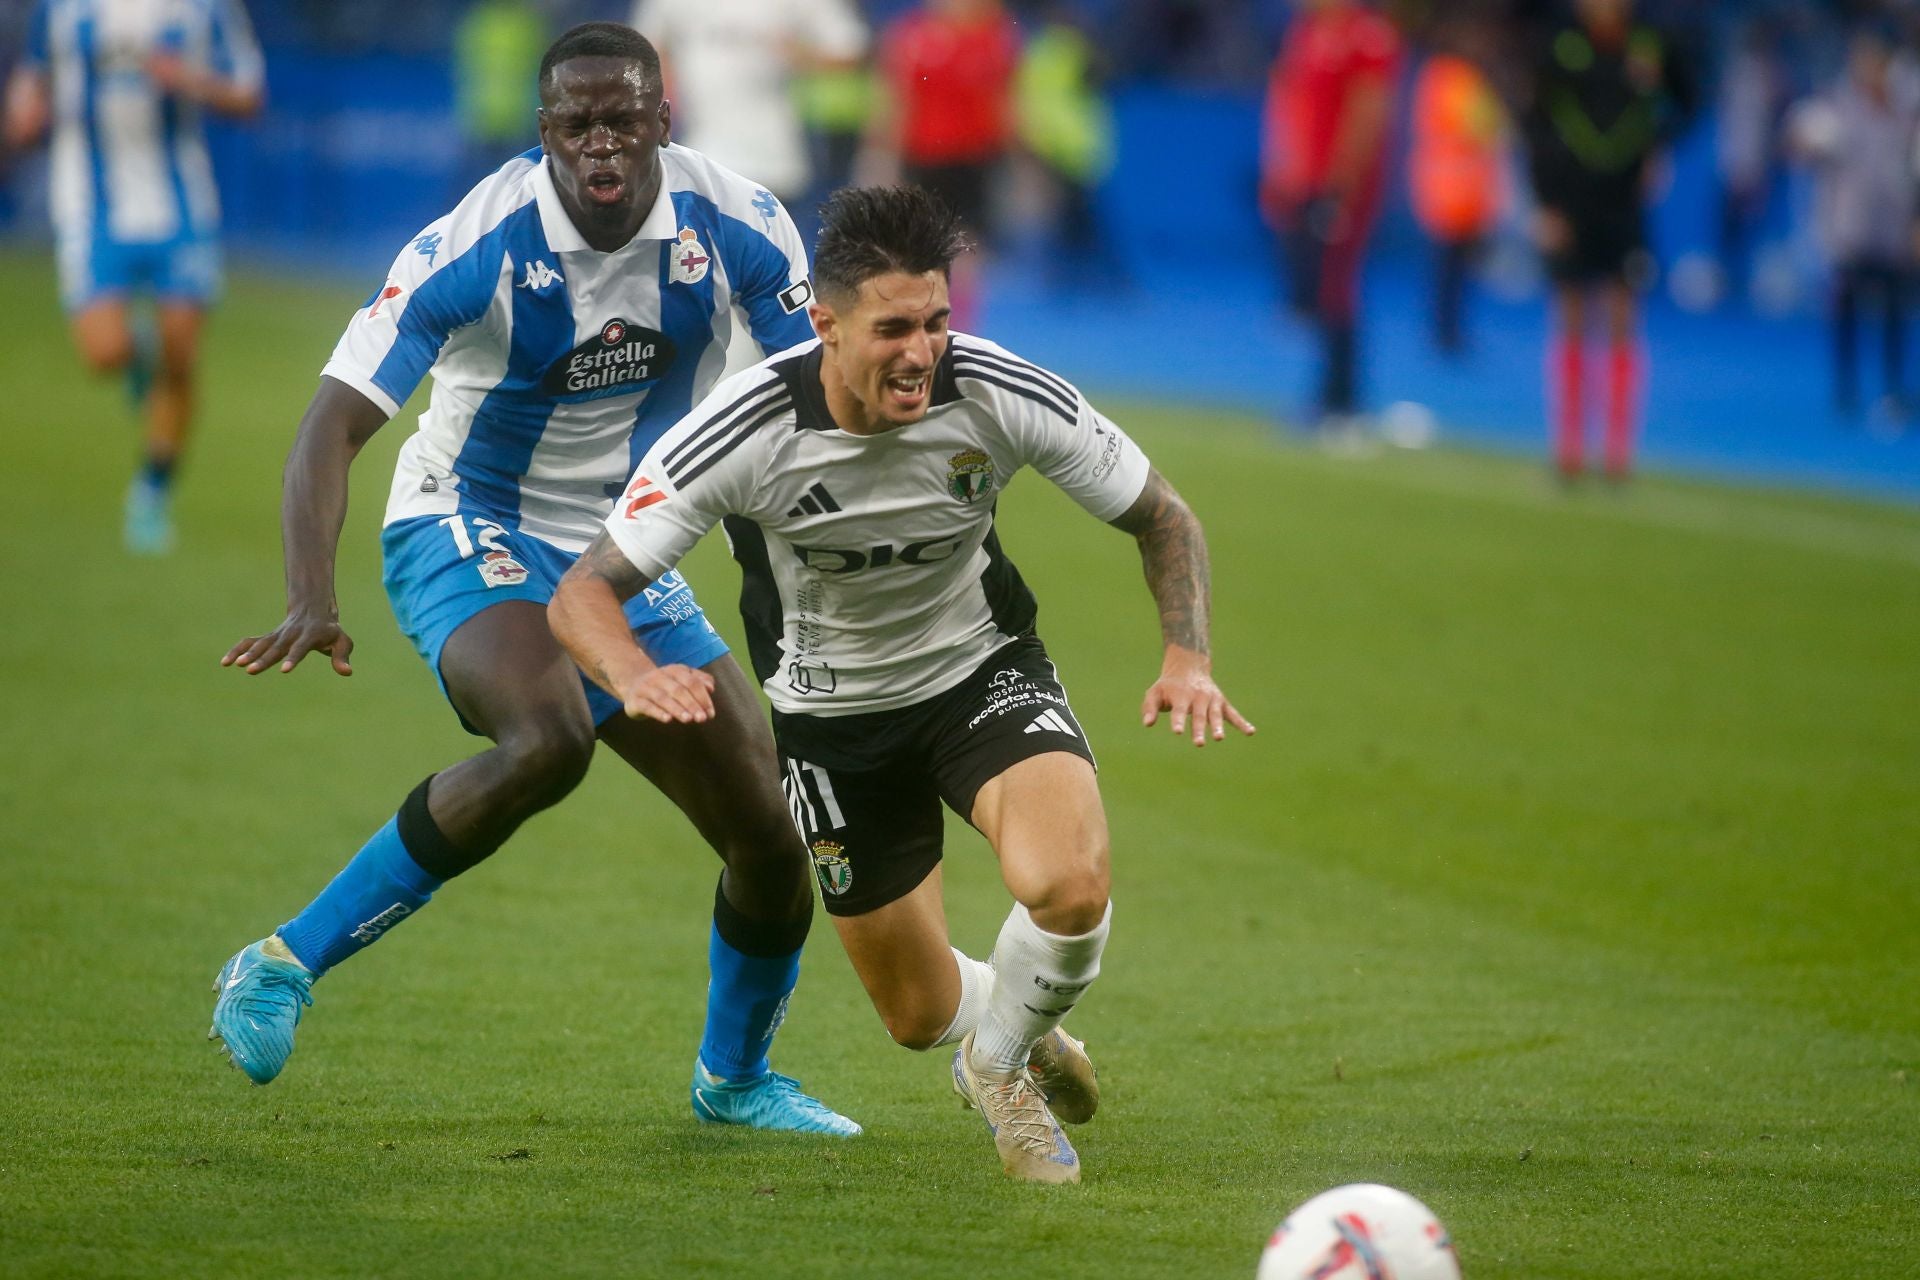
pixel 732 442
pixel 717 425
pixel 1019 389
pixel 1012 364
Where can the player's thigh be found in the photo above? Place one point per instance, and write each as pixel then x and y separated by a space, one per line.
pixel 509 678
pixel 874 835
pixel 903 958
pixel 102 334
pixel 723 774
pixel 1047 826
pixel 179 325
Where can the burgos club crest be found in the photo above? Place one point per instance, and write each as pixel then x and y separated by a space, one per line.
pixel 831 865
pixel 969 475
pixel 687 259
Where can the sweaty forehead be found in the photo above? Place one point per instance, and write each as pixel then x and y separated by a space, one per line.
pixel 899 294
pixel 599 81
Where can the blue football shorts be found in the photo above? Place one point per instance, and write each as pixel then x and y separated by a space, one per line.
pixel 94 267
pixel 442 570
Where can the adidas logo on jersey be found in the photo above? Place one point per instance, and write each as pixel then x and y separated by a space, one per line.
pixel 540 275
pixel 815 501
pixel 1051 721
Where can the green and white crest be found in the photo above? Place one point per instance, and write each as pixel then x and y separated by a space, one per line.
pixel 969 475
pixel 831 865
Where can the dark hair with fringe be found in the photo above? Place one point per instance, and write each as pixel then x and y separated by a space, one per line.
pixel 600 40
pixel 870 231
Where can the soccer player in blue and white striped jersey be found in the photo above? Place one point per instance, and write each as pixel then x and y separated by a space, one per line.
pixel 573 306
pixel 123 85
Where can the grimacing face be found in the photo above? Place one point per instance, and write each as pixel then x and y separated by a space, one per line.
pixel 602 125
pixel 885 343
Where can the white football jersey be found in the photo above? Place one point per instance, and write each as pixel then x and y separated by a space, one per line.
pixel 555 365
pixel 873 578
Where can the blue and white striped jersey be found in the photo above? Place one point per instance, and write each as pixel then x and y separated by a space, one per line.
pixel 555 366
pixel 129 162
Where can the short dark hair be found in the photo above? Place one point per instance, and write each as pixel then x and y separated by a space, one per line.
pixel 600 40
pixel 870 231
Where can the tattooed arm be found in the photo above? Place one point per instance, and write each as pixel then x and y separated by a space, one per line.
pixel 588 621
pixel 1173 554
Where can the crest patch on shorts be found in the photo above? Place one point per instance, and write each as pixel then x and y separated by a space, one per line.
pixel 498 569
pixel 831 865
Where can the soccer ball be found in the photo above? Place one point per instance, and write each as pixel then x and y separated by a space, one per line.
pixel 1360 1232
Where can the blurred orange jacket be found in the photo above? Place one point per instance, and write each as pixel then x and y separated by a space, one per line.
pixel 1456 169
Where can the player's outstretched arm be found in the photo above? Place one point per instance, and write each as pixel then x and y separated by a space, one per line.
pixel 313 506
pixel 588 621
pixel 1173 553
pixel 28 108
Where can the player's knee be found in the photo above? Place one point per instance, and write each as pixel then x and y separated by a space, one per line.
pixel 548 759
pixel 106 353
pixel 1072 904
pixel 917 1029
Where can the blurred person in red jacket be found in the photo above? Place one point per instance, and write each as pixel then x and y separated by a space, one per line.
pixel 1457 165
pixel 1609 94
pixel 1329 112
pixel 948 67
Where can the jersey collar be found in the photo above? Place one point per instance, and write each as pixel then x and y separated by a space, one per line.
pixel 661 223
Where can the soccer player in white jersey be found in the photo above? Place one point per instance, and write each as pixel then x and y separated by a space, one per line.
pixel 570 309
pixel 857 478
pixel 123 85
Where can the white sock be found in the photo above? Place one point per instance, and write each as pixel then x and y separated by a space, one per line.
pixel 976 987
pixel 1038 977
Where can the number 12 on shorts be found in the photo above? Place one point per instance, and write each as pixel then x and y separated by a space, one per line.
pixel 489 533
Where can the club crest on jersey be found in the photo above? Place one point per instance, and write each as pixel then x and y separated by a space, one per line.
pixel 969 475
pixel 831 865
pixel 687 260
pixel 621 357
pixel 498 569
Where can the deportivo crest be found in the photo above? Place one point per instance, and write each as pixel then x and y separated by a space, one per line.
pixel 969 475
pixel 620 358
pixel 687 260
pixel 498 569
pixel 831 865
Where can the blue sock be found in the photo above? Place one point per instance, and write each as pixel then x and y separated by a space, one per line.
pixel 746 1001
pixel 382 886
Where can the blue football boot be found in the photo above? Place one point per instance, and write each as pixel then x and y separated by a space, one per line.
pixel 149 518
pixel 262 993
pixel 772 1101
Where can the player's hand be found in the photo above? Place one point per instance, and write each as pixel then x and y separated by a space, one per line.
pixel 673 694
pixel 173 74
pixel 301 634
pixel 1186 689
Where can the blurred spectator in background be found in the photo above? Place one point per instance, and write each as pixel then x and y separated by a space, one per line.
pixel 1066 125
pixel 1329 111
pixel 1457 166
pixel 1608 93
pixel 1861 137
pixel 1753 95
pixel 731 66
pixel 122 84
pixel 836 108
pixel 948 67
pixel 496 57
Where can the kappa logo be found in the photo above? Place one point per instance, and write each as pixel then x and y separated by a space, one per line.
pixel 428 246
pixel 687 259
pixel 767 205
pixel 1050 721
pixel 540 275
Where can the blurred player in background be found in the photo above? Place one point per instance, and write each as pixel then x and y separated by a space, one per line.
pixel 947 121
pixel 570 309
pixel 1861 138
pixel 857 478
pixel 1608 94
pixel 123 86
pixel 731 66
pixel 1457 165
pixel 1328 117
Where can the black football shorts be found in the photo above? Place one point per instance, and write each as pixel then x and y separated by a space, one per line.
pixel 866 789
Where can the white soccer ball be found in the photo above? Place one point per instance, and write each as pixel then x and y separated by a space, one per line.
pixel 1360 1232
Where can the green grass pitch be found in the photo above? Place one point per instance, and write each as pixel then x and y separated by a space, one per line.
pixel 1570 884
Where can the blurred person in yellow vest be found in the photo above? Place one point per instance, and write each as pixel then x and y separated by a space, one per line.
pixel 496 55
pixel 1066 125
pixel 1457 166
